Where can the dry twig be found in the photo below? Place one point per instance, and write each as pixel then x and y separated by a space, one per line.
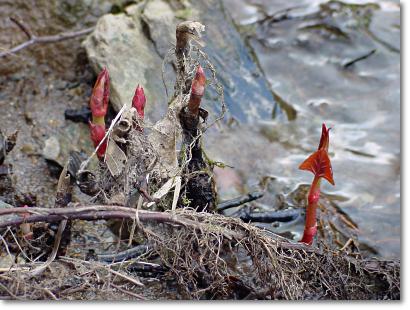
pixel 33 39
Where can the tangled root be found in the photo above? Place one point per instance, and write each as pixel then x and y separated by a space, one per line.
pixel 220 257
pixel 210 256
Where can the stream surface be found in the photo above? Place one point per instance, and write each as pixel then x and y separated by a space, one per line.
pixel 304 49
pixel 290 74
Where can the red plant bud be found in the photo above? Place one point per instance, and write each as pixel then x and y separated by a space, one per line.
pixel 100 96
pixel 197 91
pixel 198 84
pixel 97 134
pixel 139 100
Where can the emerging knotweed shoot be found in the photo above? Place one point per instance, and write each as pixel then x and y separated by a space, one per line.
pixel 100 97
pixel 197 91
pixel 319 164
pixel 99 105
pixel 138 102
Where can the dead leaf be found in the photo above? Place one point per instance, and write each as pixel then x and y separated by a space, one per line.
pixel 115 158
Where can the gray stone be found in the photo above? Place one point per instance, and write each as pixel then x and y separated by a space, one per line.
pixel 119 44
pixel 4 205
pixel 51 149
pixel 58 147
pixel 133 44
pixel 161 22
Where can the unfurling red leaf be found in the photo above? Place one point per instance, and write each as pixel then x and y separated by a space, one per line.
pixel 319 164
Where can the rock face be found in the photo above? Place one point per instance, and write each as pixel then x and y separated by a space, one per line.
pixel 119 44
pixel 133 44
pixel 159 18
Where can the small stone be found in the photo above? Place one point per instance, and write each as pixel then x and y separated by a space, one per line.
pixel 52 148
pixel 27 149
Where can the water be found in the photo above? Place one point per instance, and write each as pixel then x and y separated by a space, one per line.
pixel 302 50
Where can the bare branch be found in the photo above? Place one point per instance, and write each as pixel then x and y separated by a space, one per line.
pixel 89 213
pixel 23 27
pixel 33 39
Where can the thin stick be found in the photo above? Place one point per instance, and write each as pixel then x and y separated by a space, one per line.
pixel 32 39
pixel 7 269
pixel 346 244
pixel 106 138
pixel 353 61
pixel 18 244
pixel 23 27
pixel 127 292
pixel 50 293
pixel 176 193
pixel 136 221
pixel 137 251
pixel 235 202
pixel 97 212
pixel 53 254
pixel 100 214
pixel 6 246
pixel 95 264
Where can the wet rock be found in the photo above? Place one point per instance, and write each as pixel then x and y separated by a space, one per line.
pixel 6 145
pixel 51 149
pixel 70 11
pixel 132 46
pixel 4 205
pixel 160 21
pixel 5 169
pixel 119 44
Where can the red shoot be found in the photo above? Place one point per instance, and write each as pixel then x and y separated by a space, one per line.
pixel 100 97
pixel 197 91
pixel 97 134
pixel 139 100
pixel 99 105
pixel 319 164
